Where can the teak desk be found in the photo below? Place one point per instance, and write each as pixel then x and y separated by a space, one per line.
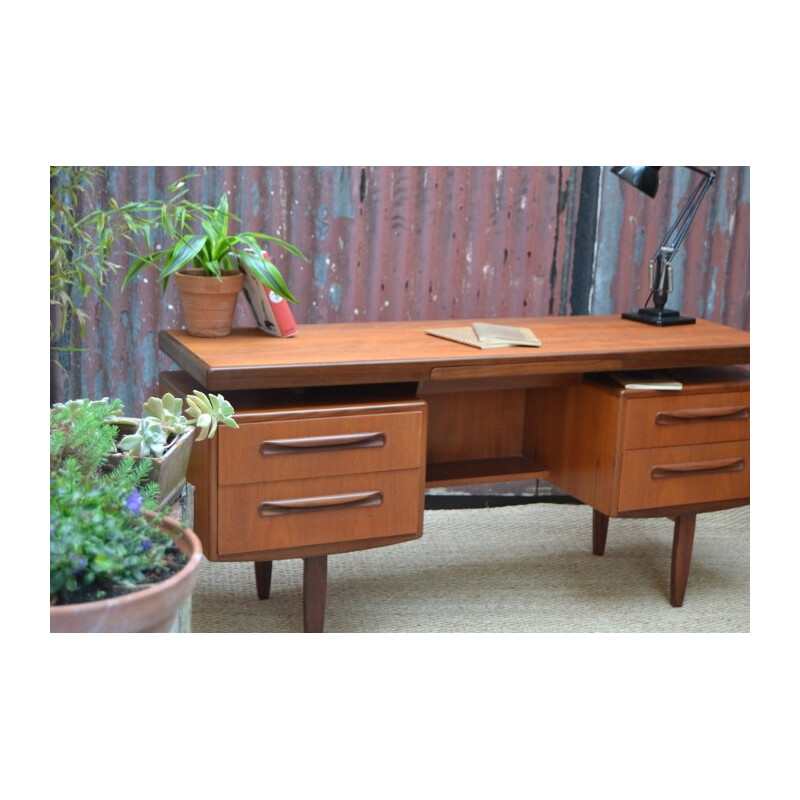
pixel 343 426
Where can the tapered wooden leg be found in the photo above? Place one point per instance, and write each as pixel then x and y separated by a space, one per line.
pixel 599 532
pixel 263 579
pixel 682 543
pixel 315 589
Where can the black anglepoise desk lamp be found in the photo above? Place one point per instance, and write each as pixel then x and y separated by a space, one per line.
pixel 645 179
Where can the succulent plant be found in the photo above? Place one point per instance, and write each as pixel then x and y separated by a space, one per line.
pixel 150 439
pixel 164 422
pixel 169 411
pixel 208 411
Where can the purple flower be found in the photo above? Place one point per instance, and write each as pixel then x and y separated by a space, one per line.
pixel 146 544
pixel 80 565
pixel 133 502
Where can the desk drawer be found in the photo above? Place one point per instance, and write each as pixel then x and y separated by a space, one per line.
pixel 286 514
pixel 672 476
pixel 316 447
pixel 678 418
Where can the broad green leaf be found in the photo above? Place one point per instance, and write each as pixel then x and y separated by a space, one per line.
pixel 221 248
pixel 223 207
pixel 211 229
pixel 183 253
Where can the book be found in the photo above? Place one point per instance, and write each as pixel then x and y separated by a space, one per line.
pixel 467 335
pixel 647 380
pixel 271 311
pixel 505 334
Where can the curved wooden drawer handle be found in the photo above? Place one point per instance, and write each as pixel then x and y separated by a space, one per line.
pixel 317 444
pixel 700 414
pixel 697 468
pixel 299 505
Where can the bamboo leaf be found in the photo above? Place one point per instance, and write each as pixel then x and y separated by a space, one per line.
pixel 138 265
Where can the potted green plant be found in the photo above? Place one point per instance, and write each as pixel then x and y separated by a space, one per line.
pixel 116 563
pixel 207 268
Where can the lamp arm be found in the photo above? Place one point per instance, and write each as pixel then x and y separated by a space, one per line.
pixel 711 174
pixel 680 227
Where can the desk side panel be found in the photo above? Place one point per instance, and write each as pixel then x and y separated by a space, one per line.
pixel 574 434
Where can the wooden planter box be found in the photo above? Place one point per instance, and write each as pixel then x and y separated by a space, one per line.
pixel 169 471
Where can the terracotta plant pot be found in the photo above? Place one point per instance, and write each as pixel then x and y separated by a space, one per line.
pixel 150 610
pixel 209 303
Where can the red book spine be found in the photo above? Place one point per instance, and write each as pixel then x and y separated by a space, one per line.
pixel 282 314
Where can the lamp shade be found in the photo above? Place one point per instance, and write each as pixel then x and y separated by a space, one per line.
pixel 645 179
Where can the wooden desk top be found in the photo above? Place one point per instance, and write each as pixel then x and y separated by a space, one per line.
pixel 386 352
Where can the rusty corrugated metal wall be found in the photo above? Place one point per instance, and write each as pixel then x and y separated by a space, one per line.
pixel 391 243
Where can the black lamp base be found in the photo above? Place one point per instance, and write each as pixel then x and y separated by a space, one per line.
pixel 659 316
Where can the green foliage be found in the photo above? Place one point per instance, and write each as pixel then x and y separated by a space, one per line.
pixel 84 238
pixel 80 430
pixel 101 542
pixel 215 251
